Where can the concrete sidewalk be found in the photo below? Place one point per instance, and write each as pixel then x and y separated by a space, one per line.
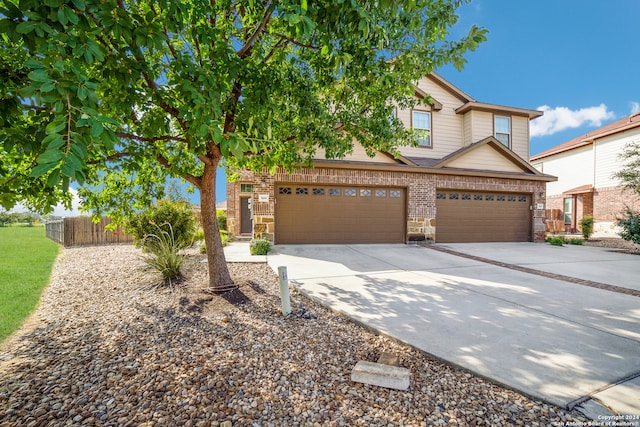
pixel 564 343
pixel 604 265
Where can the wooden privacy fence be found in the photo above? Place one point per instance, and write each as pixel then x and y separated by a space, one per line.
pixel 81 231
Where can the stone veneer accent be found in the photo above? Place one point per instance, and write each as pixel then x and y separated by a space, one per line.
pixel 420 187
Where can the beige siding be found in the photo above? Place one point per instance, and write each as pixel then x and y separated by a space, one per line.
pixel 520 136
pixel 359 154
pixel 573 169
pixel 446 125
pixel 467 126
pixel 482 126
pixel 484 158
pixel 607 152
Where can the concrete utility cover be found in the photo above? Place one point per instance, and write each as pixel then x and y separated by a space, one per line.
pixel 381 375
pixel 551 339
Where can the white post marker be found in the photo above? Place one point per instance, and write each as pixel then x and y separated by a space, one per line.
pixel 284 291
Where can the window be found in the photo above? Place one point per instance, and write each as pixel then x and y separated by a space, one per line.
pixel 365 193
pixel 284 190
pixel 421 121
pixel 318 192
pixel 502 127
pixel 246 188
pixel 349 192
pixel 381 193
pixel 568 210
pixel 302 191
pixel 394 193
pixel 334 192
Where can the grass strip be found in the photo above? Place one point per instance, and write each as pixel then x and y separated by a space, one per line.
pixel 26 260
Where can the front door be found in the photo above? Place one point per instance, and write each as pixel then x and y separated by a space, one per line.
pixel 246 221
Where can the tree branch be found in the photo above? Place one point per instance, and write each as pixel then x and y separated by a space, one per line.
pixel 135 137
pixel 108 158
pixel 246 49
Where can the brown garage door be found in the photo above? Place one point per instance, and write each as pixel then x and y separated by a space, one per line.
pixel 464 216
pixel 332 214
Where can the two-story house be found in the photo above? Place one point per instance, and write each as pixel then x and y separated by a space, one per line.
pixel 586 168
pixel 467 181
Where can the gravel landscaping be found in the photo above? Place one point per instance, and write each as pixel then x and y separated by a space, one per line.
pixel 104 349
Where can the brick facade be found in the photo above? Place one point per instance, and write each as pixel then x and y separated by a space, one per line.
pixel 605 205
pixel 420 190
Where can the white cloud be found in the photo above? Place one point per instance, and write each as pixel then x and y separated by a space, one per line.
pixel 560 118
pixel 635 107
pixel 58 210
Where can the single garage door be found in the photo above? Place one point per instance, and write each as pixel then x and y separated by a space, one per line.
pixel 465 216
pixel 339 214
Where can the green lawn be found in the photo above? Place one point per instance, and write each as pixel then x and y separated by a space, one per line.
pixel 26 259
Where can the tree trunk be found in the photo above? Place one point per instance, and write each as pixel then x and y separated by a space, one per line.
pixel 219 278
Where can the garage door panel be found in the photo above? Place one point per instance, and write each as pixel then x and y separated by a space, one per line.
pixel 339 214
pixel 464 216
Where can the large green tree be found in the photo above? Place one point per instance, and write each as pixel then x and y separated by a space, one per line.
pixel 115 95
pixel 629 174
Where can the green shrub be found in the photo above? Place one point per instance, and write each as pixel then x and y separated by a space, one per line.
pixel 163 253
pixel 198 236
pixel 630 226
pixel 224 238
pixel 221 216
pixel 556 240
pixel 574 241
pixel 175 216
pixel 259 246
pixel 586 224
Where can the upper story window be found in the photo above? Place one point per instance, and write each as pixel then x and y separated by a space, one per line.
pixel 246 188
pixel 421 122
pixel 502 126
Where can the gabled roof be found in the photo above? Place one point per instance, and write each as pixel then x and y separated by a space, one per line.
pixel 494 108
pixel 500 149
pixel 630 122
pixel 435 104
pixel 450 88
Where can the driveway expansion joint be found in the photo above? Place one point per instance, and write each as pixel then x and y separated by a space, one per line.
pixel 583 282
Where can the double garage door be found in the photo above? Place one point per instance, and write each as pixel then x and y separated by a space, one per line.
pixel 465 216
pixel 349 214
pixel 339 214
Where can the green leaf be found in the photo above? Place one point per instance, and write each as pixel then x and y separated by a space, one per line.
pixel 62 16
pixel 47 87
pixel 96 129
pixel 33 64
pixel 53 178
pixel 41 168
pixel 73 161
pixel 50 156
pixel 39 76
pixel 53 141
pixel 303 5
pixel 79 4
pixel 71 15
pixel 55 126
pixel 26 27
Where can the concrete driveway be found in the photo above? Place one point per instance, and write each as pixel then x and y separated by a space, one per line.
pixel 565 343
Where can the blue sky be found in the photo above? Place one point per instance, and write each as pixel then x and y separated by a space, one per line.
pixel 577 60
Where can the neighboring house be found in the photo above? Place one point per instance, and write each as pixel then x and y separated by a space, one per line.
pixel 585 167
pixel 468 181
